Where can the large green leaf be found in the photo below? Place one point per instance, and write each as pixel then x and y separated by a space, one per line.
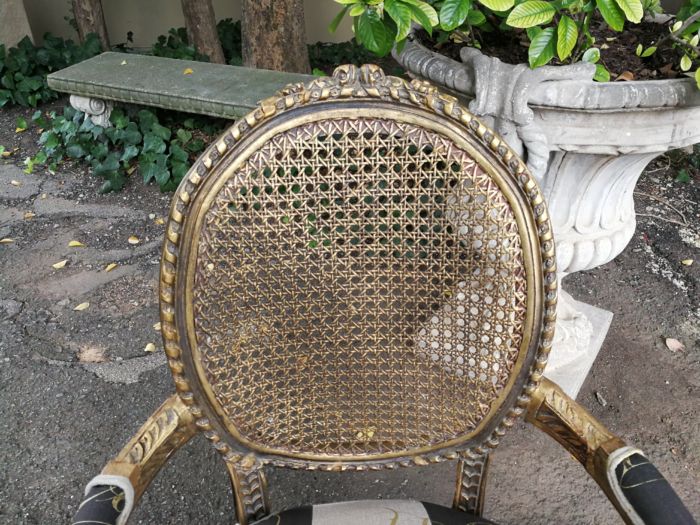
pixel 423 14
pixel 531 13
pixel 591 55
pixel 633 9
pixel 601 74
pixel 401 14
pixel 373 33
pixel 153 144
pixel 475 17
pixel 567 35
pixel 542 48
pixel 75 151
pixel 108 167
pixel 498 5
pixel 453 13
pixel 337 18
pixel 612 14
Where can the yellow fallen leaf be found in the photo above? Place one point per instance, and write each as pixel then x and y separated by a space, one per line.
pixel 6 240
pixel 81 307
pixel 159 221
pixel 6 154
pixel 134 240
pixel 687 262
pixel 29 215
pixel 110 267
pixel 20 130
pixel 131 170
pixel 60 264
pixel 15 183
pixel 150 347
pixel 123 63
pixel 156 327
pixel 187 71
pixel 76 244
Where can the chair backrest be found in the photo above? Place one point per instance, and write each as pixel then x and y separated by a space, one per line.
pixel 357 272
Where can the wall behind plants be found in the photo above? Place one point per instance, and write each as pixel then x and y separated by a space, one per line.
pixel 150 18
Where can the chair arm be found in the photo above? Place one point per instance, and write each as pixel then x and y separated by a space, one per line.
pixel 639 492
pixel 104 505
pixel 111 495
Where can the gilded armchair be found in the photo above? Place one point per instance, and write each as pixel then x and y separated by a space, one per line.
pixel 360 275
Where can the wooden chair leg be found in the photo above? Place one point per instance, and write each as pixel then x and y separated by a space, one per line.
pixel 472 469
pixel 249 489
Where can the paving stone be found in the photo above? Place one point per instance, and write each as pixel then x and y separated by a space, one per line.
pixel 28 184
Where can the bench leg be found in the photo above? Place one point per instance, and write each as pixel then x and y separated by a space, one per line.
pixel 97 109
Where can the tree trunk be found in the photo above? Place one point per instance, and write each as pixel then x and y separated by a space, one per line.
pixel 201 29
pixel 274 35
pixel 90 19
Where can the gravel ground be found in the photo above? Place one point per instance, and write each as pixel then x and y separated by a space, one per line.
pixel 75 385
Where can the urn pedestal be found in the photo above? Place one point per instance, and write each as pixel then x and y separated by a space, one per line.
pixel 587 144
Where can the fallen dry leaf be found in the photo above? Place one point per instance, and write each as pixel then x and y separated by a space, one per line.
pixel 75 244
pixel 150 347
pixel 43 196
pixel 20 130
pixel 110 267
pixel 674 345
pixel 687 262
pixel 81 307
pixel 123 63
pixel 625 75
pixel 159 220
pixel 91 354
pixel 59 264
pixel 6 240
pixel 15 183
pixel 5 154
pixel 156 327
pixel 134 240
pixel 131 170
pixel 29 215
pixel 187 71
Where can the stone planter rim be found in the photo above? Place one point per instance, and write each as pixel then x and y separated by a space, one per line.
pixel 569 94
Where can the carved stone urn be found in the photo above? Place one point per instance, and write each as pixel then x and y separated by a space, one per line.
pixel 587 144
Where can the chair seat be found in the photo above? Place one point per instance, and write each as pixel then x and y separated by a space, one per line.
pixel 374 512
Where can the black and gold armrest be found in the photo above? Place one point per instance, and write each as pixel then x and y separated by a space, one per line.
pixel 636 488
pixel 632 483
pixel 111 496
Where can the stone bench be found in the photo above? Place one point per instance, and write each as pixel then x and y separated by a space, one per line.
pixel 181 85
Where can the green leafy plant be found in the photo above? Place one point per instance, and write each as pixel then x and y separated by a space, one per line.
pixel 23 69
pixel 556 29
pixel 176 44
pixel 139 141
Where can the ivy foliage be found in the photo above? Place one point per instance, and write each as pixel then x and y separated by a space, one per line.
pixel 176 44
pixel 23 69
pixel 161 153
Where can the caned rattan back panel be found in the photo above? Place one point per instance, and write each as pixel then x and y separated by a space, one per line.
pixel 354 278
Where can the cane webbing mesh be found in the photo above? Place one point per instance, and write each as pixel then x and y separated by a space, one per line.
pixel 359 289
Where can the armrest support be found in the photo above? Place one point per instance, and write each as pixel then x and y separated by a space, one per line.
pixel 113 493
pixel 639 492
